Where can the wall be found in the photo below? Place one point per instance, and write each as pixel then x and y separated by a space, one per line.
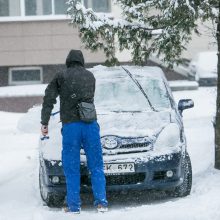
pixel 40 42
pixel 49 72
pixel 199 43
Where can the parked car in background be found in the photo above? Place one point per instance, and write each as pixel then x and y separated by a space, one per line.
pixel 142 136
pixel 204 68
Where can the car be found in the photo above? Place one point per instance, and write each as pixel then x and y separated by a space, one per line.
pixel 142 136
pixel 204 68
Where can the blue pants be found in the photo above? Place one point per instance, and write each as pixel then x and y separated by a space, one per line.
pixel 75 135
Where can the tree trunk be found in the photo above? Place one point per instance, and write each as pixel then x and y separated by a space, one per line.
pixel 217 122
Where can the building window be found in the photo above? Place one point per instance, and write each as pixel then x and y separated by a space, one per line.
pixel 9 8
pixel 45 7
pixel 60 7
pixel 4 8
pixel 30 7
pixel 98 5
pixel 38 7
pixel 25 75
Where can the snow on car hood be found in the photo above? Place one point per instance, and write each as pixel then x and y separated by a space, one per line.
pixel 111 123
pixel 136 124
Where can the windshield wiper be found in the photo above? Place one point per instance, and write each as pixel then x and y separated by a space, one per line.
pixel 139 86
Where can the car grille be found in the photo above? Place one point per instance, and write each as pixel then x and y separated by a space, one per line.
pixel 135 145
pixel 114 179
pixel 118 179
pixel 129 148
pixel 125 179
pixel 128 145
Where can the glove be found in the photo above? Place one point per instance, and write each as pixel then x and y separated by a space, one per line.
pixel 44 130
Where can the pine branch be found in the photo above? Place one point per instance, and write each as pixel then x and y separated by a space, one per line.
pixel 164 33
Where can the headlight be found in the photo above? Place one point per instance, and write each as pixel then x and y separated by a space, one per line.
pixel 109 142
pixel 169 137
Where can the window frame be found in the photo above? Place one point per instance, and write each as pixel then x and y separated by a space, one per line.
pixel 53 16
pixel 12 83
pixel 91 3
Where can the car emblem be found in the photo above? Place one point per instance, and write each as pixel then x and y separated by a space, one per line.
pixel 110 142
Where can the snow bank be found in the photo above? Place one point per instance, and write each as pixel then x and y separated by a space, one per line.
pixel 179 85
pixel 18 91
pixel 204 102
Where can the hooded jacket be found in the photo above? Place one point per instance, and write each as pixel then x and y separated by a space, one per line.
pixel 73 86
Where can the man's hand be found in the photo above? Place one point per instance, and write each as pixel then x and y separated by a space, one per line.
pixel 44 130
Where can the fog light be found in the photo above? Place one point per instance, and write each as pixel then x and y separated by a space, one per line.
pixel 55 179
pixel 169 173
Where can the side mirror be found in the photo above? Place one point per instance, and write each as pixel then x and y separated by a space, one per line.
pixel 185 104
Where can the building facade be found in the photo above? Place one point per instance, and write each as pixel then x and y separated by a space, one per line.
pixel 35 38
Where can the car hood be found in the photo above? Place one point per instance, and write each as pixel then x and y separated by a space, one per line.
pixel 132 124
pixel 123 124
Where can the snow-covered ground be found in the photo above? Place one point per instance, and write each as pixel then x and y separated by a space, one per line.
pixel 19 193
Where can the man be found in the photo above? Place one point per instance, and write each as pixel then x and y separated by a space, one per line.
pixel 73 86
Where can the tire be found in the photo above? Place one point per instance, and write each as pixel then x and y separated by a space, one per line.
pixel 185 188
pixel 51 199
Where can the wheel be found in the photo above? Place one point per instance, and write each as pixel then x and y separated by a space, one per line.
pixel 51 199
pixel 185 188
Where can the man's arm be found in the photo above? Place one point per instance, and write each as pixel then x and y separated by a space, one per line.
pixel 51 93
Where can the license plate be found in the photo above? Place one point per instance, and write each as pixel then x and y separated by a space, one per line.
pixel 110 168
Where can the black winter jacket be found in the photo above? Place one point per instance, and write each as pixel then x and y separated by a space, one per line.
pixel 74 85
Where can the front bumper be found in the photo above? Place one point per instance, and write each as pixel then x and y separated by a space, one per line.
pixel 149 174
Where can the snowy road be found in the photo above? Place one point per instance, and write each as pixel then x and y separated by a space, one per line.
pixel 19 193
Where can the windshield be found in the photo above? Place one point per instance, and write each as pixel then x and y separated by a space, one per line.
pixel 156 92
pixel 120 93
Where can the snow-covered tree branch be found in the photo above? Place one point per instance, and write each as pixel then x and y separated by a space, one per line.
pixel 158 27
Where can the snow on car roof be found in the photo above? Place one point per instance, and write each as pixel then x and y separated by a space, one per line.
pixel 118 72
pixel 146 71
